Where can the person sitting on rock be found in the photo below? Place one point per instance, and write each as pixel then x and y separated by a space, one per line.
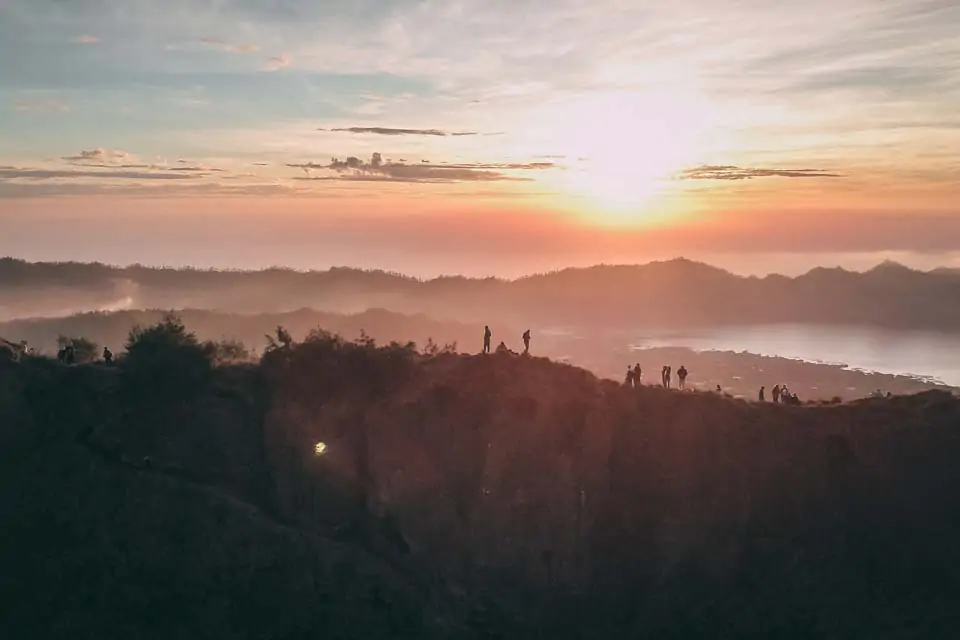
pixel 502 348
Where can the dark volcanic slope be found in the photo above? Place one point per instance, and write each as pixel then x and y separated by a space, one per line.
pixel 675 293
pixel 467 495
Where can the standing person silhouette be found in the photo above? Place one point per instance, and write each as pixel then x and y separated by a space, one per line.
pixel 487 334
pixel 682 377
pixel 637 374
pixel 526 342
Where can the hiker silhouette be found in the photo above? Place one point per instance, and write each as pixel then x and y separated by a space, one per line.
pixel 487 334
pixel 526 342
pixel 682 377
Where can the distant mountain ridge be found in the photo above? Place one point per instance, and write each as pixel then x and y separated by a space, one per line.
pixel 675 293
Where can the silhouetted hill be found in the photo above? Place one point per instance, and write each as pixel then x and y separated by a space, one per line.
pixel 460 496
pixel 603 353
pixel 111 328
pixel 675 293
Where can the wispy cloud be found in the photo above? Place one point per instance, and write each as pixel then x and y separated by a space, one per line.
pixel 230 47
pixel 278 62
pixel 353 168
pixel 731 172
pixel 41 106
pixel 103 157
pixel 389 131
pixel 49 174
pixel 154 189
pixel 86 39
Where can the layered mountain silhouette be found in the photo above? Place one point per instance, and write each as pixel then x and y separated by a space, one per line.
pixel 677 293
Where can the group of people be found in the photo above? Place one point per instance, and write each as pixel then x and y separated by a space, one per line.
pixel 781 395
pixel 68 355
pixel 502 347
pixel 635 376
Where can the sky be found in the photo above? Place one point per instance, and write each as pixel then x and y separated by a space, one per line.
pixel 480 136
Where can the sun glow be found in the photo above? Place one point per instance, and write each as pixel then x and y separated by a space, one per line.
pixel 623 149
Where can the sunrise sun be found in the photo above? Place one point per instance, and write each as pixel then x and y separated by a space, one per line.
pixel 623 147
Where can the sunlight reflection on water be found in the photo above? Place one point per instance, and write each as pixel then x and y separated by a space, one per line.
pixel 921 354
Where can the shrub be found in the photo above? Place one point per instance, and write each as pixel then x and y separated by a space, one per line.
pixel 84 349
pixel 229 352
pixel 166 357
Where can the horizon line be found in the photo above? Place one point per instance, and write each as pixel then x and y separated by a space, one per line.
pixel 447 276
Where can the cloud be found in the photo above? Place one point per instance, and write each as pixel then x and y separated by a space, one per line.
pixel 41 106
pixel 100 157
pixel 278 62
pixel 8 173
pixel 157 189
pixel 353 168
pixel 86 39
pixel 388 131
pixel 732 172
pixel 227 46
pixel 196 169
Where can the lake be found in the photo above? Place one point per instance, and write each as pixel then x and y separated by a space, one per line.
pixel 920 354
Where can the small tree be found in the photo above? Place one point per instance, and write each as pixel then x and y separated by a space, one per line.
pixel 167 357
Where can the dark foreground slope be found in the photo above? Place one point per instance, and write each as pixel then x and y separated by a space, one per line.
pixel 466 496
pixel 98 542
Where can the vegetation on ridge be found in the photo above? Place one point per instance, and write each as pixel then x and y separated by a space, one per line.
pixel 459 496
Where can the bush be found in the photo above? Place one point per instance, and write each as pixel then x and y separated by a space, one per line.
pixel 84 349
pixel 167 357
pixel 229 352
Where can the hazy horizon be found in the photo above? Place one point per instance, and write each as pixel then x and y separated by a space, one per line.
pixel 760 265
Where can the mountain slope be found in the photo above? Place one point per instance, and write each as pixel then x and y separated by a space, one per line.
pixel 464 496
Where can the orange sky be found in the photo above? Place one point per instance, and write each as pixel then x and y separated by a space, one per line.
pixel 401 133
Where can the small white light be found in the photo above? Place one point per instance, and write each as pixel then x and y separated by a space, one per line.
pixel 320 448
